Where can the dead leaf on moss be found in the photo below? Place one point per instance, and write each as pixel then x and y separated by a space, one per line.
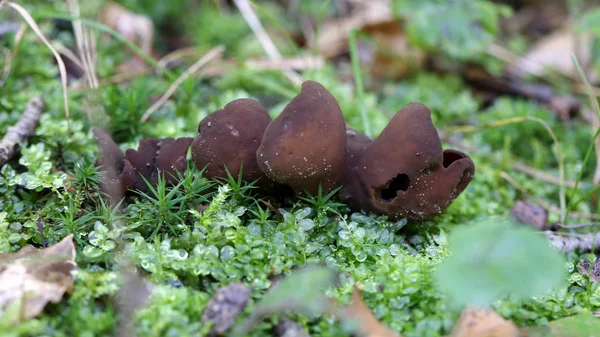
pixel 36 277
pixel 136 28
pixel 531 214
pixel 483 323
pixel 390 55
pixel 367 325
pixel 333 34
pixel 554 53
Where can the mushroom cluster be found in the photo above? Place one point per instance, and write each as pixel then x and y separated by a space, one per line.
pixel 404 173
pixel 132 169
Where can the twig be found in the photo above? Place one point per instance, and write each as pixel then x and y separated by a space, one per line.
pixel 178 54
pixel 211 55
pixel 7 63
pixel 61 65
pixel 70 55
pixel 544 204
pixel 582 225
pixel 264 39
pixel 85 45
pixel 24 128
pixel 568 243
pixel 517 166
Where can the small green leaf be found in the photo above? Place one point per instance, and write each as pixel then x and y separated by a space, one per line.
pixel 495 258
pixel 302 291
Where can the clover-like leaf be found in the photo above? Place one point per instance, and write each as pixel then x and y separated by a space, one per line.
pixel 494 258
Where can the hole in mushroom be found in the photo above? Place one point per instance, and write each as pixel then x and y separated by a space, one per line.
pixel 451 156
pixel 399 183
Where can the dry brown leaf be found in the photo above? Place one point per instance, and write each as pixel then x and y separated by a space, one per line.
pixel 368 325
pixel 531 214
pixel 333 35
pixel 483 323
pixel 36 277
pixel 554 52
pixel 391 55
pixel 136 28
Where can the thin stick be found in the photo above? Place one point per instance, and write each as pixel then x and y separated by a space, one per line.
pixel 561 167
pixel 177 54
pixel 517 166
pixel 523 190
pixel 211 55
pixel 68 53
pixel 568 243
pixel 18 37
pixel 583 225
pixel 542 203
pixel 265 41
pixel 358 82
pixel 83 40
pixel 61 65
pixel 25 127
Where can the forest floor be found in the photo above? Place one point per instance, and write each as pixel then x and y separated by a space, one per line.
pixel 502 85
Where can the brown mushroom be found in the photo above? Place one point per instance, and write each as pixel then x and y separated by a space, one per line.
pixel 228 138
pixel 153 157
pixel 306 144
pixel 125 170
pixel 405 172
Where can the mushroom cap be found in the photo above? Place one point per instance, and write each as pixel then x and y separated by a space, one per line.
pixel 306 144
pixel 352 191
pixel 111 157
pixel 143 163
pixel 405 172
pixel 229 137
pixel 171 157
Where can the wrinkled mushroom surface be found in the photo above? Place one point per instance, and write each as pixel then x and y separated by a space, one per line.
pixel 229 137
pixel 124 171
pixel 306 144
pixel 405 172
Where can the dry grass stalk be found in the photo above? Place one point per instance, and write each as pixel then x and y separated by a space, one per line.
pixel 264 39
pixel 210 56
pixel 61 65
pixel 11 56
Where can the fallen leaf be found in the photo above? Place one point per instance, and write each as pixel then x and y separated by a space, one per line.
pixel 136 28
pixel 530 213
pixel 361 317
pixel 553 53
pixel 333 35
pixel 225 306
pixel 36 277
pixel 391 55
pixel 483 323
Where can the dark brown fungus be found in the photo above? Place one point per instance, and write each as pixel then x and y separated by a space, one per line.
pixel 306 144
pixel 229 137
pixel 405 172
pixel 153 156
pixel 111 162
pixel 171 157
pixel 125 170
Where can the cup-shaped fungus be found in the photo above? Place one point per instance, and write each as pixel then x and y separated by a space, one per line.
pixel 405 172
pixel 153 157
pixel 306 144
pixel 229 137
pixel 125 170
